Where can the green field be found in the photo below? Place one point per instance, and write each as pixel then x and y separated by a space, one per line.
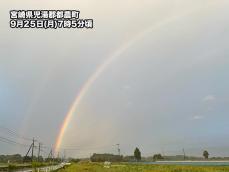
pixel 122 167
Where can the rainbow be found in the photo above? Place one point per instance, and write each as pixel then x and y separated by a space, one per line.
pixel 101 68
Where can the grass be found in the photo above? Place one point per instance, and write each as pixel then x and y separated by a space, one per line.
pixel 17 166
pixel 123 167
pixel 3 164
pixel 13 166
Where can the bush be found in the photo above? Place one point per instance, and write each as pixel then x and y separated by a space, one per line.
pixel 37 164
pixel 12 167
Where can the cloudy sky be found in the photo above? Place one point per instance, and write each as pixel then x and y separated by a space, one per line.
pixel 166 89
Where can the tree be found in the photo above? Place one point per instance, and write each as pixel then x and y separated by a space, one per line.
pixel 205 154
pixel 137 154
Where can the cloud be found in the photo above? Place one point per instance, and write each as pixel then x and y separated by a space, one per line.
pixel 208 98
pixel 129 103
pixel 198 117
pixel 127 87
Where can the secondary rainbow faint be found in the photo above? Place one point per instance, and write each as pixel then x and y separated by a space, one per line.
pixel 100 69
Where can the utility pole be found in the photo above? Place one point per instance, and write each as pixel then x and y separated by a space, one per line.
pixel 184 153
pixel 28 150
pixel 32 148
pixel 118 148
pixel 58 156
pixel 39 150
pixel 64 154
pixel 50 156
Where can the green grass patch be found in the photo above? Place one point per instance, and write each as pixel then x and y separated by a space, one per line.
pixel 124 167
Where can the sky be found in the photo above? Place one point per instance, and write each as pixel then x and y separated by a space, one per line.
pixel 165 90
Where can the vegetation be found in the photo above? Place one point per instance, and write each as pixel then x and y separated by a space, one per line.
pixel 13 166
pixel 106 157
pixel 137 154
pixel 128 159
pixel 73 160
pixel 205 154
pixel 122 167
pixel 41 164
pixel 15 162
pixel 11 158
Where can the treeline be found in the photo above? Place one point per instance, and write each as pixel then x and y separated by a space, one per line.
pixel 17 158
pixel 11 158
pixel 106 157
pixel 157 157
pixel 119 158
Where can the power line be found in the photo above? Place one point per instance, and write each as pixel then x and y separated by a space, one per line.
pixel 6 140
pixel 14 133
pixel 32 147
